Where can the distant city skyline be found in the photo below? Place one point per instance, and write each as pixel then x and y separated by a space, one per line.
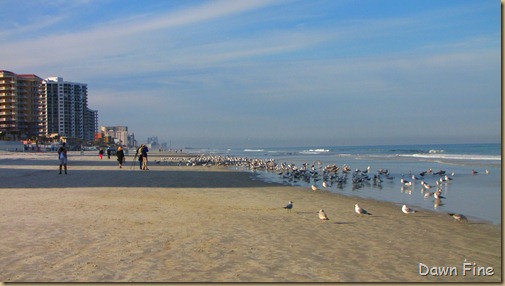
pixel 272 73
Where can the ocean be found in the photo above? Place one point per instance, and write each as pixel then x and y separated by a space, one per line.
pixel 476 195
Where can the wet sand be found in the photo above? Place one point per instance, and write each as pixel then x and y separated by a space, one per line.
pixel 100 223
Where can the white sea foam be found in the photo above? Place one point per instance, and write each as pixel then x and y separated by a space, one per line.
pixel 254 150
pixel 314 151
pixel 454 156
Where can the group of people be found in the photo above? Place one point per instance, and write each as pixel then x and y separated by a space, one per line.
pixel 100 153
pixel 141 152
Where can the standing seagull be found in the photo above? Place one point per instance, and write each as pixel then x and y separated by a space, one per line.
pixel 360 210
pixel 322 215
pixel 458 217
pixel 289 206
pixel 438 194
pixel 425 185
pixel 406 183
pixel 407 210
pixel 314 188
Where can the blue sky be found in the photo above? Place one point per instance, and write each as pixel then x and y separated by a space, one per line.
pixel 271 73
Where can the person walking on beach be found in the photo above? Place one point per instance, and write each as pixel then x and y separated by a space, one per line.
pixel 144 157
pixel 62 155
pixel 100 153
pixel 120 156
pixel 108 152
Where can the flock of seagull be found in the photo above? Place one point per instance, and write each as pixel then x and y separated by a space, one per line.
pixel 361 211
pixel 330 175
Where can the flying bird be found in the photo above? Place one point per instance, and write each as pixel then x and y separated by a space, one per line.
pixel 407 210
pixel 322 215
pixel 361 210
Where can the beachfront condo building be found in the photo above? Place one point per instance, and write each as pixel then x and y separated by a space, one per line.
pixel 19 105
pixel 64 110
pixel 90 125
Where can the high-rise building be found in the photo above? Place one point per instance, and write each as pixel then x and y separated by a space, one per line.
pixel 32 107
pixel 119 134
pixel 90 125
pixel 19 104
pixel 131 141
pixel 64 110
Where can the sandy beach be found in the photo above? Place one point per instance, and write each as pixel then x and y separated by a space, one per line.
pixel 100 223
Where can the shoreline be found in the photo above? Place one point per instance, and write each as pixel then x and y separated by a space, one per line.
pixel 100 223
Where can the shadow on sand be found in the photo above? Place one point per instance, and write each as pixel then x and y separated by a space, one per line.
pixel 125 177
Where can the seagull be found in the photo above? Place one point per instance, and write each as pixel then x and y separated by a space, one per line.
pixel 458 217
pixel 406 183
pixel 314 188
pixel 425 185
pixel 447 178
pixel 438 195
pixel 474 172
pixel 407 210
pixel 325 184
pixel 289 206
pixel 322 215
pixel 360 210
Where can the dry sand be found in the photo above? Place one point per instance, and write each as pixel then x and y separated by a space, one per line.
pixel 100 223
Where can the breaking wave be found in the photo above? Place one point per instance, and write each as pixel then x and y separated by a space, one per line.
pixel 314 151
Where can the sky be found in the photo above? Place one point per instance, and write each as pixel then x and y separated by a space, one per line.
pixel 224 74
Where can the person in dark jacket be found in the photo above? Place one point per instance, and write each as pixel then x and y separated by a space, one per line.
pixel 120 156
pixel 144 157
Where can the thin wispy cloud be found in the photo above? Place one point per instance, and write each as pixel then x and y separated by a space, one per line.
pixel 228 69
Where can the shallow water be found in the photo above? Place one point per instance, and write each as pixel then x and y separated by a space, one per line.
pixel 476 196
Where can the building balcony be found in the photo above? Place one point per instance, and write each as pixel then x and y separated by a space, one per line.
pixel 7 126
